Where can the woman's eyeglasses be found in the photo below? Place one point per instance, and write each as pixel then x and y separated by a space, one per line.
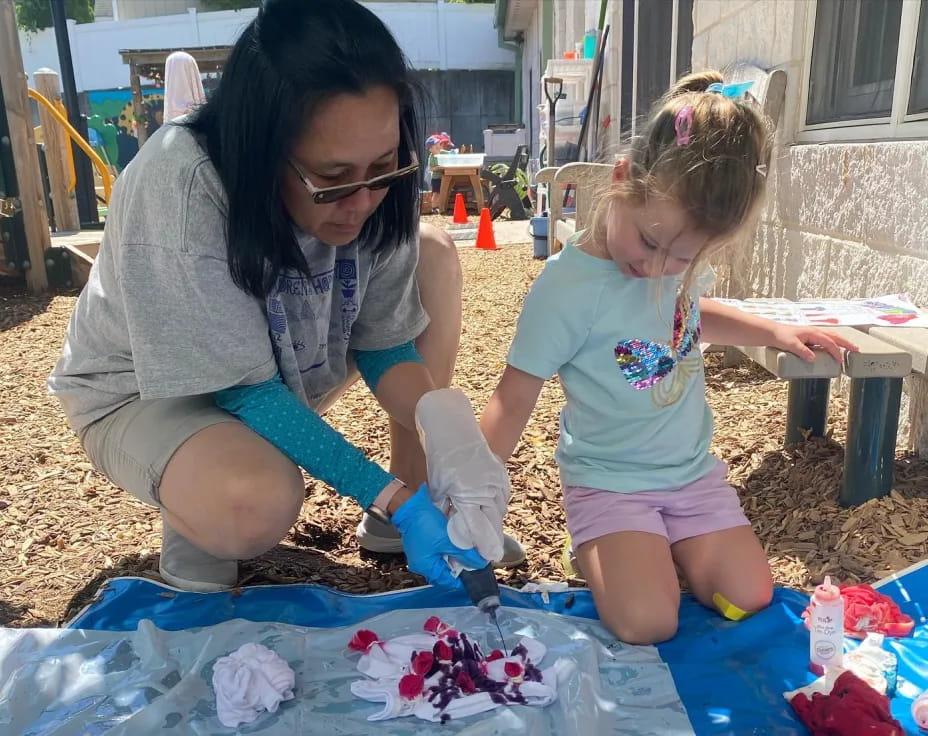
pixel 327 195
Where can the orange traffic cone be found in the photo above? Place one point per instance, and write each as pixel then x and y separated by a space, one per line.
pixel 460 214
pixel 485 238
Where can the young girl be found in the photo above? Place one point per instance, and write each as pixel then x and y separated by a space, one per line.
pixel 435 144
pixel 619 316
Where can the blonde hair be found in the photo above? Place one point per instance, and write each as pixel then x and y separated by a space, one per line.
pixel 717 174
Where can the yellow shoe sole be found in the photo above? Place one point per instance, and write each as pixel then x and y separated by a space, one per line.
pixel 569 561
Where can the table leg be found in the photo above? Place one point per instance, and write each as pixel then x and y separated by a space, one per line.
pixel 443 193
pixel 478 191
pixel 806 408
pixel 870 450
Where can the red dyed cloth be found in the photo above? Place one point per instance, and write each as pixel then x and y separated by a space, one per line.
pixel 867 610
pixel 852 708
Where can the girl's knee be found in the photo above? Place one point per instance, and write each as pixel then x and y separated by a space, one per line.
pixel 640 624
pixel 746 599
pixel 757 599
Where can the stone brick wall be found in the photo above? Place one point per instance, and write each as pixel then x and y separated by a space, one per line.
pixel 842 219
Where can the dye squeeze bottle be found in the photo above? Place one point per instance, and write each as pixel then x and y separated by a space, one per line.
pixel 826 628
pixel 920 711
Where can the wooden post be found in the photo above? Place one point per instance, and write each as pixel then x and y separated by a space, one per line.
pixel 138 105
pixel 22 141
pixel 57 150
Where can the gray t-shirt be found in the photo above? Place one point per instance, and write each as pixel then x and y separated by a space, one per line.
pixel 160 316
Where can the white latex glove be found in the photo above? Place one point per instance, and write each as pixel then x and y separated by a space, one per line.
pixel 466 480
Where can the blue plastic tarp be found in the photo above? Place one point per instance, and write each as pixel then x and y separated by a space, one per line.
pixel 731 677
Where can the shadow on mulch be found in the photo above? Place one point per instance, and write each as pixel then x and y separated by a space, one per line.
pixel 792 499
pixel 282 564
pixel 16 305
pixel 911 476
pixel 745 374
pixel 10 613
pixel 143 566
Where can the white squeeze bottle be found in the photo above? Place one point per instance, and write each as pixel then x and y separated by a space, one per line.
pixel 826 628
pixel 920 711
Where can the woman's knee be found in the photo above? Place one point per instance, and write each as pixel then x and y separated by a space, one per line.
pixel 262 505
pixel 439 263
pixel 237 503
pixel 440 283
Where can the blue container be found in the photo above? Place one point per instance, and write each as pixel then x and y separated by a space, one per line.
pixel 539 228
pixel 589 44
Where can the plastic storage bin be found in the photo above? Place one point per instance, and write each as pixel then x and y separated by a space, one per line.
pixel 460 159
pixel 503 143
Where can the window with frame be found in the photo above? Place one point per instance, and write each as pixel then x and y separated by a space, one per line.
pixel 657 50
pixel 868 66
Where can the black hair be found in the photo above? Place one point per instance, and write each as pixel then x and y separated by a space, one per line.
pixel 292 56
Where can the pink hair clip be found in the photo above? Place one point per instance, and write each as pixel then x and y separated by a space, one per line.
pixel 683 125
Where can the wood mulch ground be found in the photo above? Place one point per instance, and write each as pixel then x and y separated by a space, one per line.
pixel 64 529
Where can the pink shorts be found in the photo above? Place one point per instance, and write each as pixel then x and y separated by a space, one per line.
pixel 706 505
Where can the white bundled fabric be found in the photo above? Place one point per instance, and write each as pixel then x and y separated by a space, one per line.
pixel 466 480
pixel 248 682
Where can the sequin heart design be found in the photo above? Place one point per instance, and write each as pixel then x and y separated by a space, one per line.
pixel 686 329
pixel 644 363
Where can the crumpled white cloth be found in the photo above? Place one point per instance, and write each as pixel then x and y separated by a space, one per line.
pixel 387 660
pixel 466 480
pixel 251 680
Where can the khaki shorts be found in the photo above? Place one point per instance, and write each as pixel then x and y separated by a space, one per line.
pixel 133 445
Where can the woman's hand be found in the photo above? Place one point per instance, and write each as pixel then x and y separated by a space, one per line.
pixel 424 531
pixel 797 339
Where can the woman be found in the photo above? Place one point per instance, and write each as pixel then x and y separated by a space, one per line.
pixel 257 256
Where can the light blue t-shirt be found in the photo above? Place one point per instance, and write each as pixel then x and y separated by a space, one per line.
pixel 636 417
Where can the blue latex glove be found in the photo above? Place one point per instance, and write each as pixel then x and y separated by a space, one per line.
pixel 424 530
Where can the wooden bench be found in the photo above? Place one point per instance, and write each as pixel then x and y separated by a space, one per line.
pixel 914 340
pixel 876 372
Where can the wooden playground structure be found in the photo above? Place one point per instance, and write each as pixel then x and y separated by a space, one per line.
pixel 25 192
pixel 40 227
pixel 30 247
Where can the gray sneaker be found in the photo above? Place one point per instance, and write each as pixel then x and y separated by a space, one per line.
pixel 187 567
pixel 375 536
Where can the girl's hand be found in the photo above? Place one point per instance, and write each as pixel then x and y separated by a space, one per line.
pixel 796 339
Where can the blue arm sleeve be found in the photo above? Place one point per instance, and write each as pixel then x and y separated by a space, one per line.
pixel 372 364
pixel 273 411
